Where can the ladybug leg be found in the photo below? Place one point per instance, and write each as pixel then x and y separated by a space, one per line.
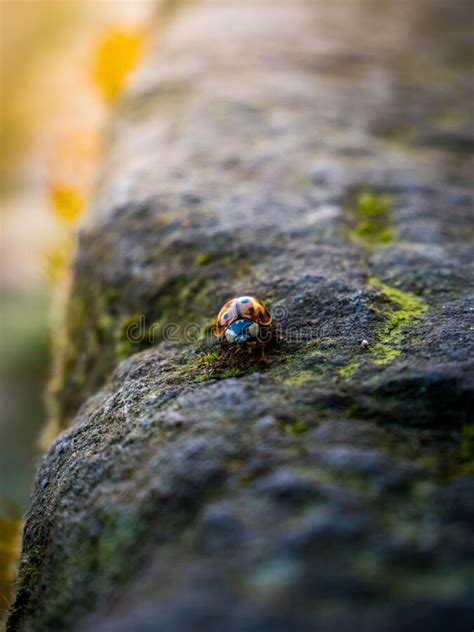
pixel 224 351
pixel 264 358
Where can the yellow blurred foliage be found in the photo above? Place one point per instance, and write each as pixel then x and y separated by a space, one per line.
pixel 57 260
pixel 116 55
pixel 11 525
pixel 67 202
pixel 45 48
pixel 76 153
pixel 30 37
pixel 72 167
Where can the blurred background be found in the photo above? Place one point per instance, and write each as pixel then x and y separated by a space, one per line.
pixel 63 64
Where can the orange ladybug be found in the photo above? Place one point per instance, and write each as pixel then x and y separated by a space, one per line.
pixel 242 321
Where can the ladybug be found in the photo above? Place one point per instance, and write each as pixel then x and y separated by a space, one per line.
pixel 243 323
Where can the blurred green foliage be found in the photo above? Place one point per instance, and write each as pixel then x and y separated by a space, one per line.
pixel 24 366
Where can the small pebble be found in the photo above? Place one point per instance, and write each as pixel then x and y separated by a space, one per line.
pixel 364 344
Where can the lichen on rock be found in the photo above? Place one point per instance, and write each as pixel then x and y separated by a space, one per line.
pixel 373 219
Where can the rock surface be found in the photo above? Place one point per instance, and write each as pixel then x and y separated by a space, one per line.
pixel 316 155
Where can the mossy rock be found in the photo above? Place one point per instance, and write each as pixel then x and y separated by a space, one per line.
pixel 333 484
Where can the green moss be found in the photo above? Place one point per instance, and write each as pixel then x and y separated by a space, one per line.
pixel 400 310
pixel 466 447
pixel 123 349
pixel 404 308
pixel 105 323
pixel 297 379
pixel 202 258
pixel 183 300
pixel 125 342
pixel 296 367
pixel 349 370
pixel 94 558
pixel 29 578
pixel 207 365
pixel 313 344
pixel 93 564
pixel 297 427
pixel 233 372
pixel 215 366
pixel 313 349
pixel 372 217
pixel 209 357
pixel 435 585
pixel 118 537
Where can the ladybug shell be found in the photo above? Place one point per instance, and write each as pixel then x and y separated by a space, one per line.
pixel 247 307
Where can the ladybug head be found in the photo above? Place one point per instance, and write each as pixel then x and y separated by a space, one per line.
pixel 241 331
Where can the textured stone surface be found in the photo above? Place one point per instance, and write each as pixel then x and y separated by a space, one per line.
pixel 317 155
